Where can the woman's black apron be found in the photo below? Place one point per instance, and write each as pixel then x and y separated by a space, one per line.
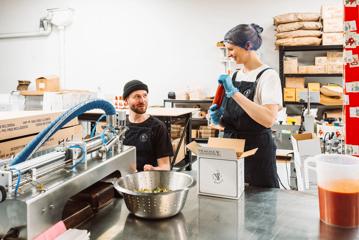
pixel 260 169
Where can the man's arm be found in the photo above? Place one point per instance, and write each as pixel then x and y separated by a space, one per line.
pixel 163 164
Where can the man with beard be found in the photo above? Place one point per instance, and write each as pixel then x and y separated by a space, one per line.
pixel 148 134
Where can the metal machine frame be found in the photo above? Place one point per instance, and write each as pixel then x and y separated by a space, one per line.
pixel 34 192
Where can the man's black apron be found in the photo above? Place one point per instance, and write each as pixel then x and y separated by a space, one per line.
pixel 260 169
pixel 141 138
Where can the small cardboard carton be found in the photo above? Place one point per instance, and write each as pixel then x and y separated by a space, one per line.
pixel 221 167
pixel 48 84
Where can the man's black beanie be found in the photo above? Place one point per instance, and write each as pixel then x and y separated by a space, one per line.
pixel 132 86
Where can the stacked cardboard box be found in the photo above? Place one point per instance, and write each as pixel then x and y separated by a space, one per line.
pixel 290 64
pixel 176 130
pixel 335 62
pixel 55 101
pixel 332 17
pixel 331 63
pixel 295 91
pixel 12 147
pixel 206 132
pixel 20 128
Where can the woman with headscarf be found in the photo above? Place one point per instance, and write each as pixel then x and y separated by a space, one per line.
pixel 253 99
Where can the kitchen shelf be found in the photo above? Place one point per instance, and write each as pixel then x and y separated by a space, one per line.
pixel 311 48
pixel 313 75
pixel 282 52
pixel 313 104
pixel 172 101
pixel 200 120
pixel 200 140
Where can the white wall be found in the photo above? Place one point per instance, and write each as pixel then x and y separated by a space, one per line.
pixel 168 44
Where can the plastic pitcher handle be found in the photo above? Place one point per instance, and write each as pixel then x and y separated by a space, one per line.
pixel 306 168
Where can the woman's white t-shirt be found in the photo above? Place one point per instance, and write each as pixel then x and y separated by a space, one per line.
pixel 269 88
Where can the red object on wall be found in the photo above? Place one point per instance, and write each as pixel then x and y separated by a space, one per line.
pixel 351 74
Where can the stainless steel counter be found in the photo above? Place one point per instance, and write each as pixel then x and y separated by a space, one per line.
pixel 259 214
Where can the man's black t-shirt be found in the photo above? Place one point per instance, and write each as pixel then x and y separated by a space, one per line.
pixel 151 140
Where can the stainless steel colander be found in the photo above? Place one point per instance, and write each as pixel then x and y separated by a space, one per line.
pixel 155 205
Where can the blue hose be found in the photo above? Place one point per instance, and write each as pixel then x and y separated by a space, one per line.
pixel 58 123
pixel 94 127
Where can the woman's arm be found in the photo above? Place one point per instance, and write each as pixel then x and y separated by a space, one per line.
pixel 265 115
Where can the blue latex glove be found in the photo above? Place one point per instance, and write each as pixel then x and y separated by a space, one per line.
pixel 226 81
pixel 215 114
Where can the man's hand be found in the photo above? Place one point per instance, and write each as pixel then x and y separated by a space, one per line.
pixel 226 81
pixel 148 167
pixel 215 114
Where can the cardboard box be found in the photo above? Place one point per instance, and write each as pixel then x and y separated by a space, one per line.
pixel 335 54
pixel 311 69
pixel 221 167
pixel 57 101
pixel 290 65
pixel 22 123
pixel 332 11
pixel 301 95
pixel 321 61
pixel 333 38
pixel 298 92
pixel 333 25
pixel 335 60
pixel 304 146
pixel 48 84
pixel 194 133
pixel 314 87
pixel 294 82
pixel 182 150
pixel 206 132
pixel 289 94
pixel 335 68
pixel 12 147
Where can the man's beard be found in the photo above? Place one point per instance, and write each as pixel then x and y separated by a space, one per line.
pixel 139 110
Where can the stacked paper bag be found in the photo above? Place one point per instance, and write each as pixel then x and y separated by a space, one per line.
pixel 298 29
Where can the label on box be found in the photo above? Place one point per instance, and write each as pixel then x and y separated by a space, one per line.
pixel 352 87
pixel 216 153
pixel 350 40
pixel 354 112
pixel 351 149
pixel 350 26
pixel 350 3
pixel 218 177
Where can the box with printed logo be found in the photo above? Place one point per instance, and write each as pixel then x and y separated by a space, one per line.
pixel 221 167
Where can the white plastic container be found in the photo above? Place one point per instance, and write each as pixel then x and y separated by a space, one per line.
pixel 338 188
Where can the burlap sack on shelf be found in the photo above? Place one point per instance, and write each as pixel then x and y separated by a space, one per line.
pixel 300 41
pixel 331 101
pixel 299 33
pixel 331 90
pixel 286 27
pixel 296 17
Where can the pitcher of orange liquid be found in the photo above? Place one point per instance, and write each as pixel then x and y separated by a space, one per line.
pixel 338 188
